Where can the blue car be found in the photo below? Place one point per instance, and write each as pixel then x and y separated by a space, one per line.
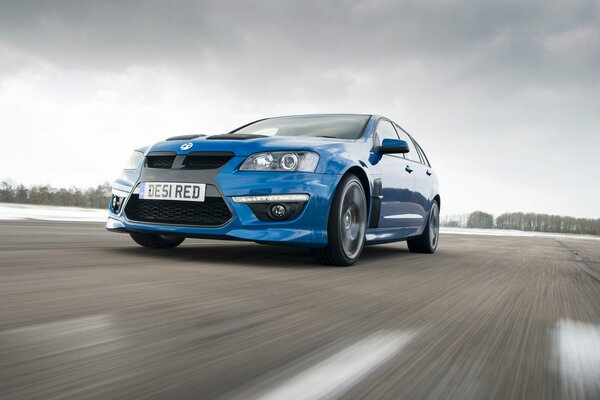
pixel 332 183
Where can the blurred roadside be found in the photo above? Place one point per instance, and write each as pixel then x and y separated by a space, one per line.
pixel 51 213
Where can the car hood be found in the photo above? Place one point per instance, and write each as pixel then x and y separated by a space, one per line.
pixel 245 145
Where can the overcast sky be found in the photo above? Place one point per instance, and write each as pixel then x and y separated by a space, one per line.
pixel 504 96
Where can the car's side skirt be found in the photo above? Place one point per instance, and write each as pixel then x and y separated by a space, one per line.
pixel 388 235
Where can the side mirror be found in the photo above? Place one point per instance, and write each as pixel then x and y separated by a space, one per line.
pixel 393 146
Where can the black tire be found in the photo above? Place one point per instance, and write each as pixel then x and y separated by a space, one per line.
pixel 346 225
pixel 154 241
pixel 428 241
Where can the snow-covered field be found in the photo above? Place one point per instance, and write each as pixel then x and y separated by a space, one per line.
pixel 506 232
pixel 50 213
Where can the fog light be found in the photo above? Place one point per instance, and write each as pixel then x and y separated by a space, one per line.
pixel 277 211
pixel 116 203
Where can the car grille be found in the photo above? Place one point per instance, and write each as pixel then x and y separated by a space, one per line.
pixel 196 160
pixel 160 161
pixel 211 212
pixel 206 160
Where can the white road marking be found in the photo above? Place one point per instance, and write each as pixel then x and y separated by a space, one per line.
pixel 577 347
pixel 64 326
pixel 335 375
pixel 58 336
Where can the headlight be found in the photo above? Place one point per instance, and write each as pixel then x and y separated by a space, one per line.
pixel 301 161
pixel 135 159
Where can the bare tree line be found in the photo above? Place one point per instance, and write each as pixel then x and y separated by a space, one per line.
pixel 98 197
pixel 93 197
pixel 525 222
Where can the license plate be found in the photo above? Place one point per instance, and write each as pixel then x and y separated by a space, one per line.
pixel 172 191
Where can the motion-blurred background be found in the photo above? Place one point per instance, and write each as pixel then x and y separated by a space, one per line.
pixel 503 95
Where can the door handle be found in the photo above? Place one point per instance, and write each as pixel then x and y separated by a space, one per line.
pixel 428 172
pixel 408 169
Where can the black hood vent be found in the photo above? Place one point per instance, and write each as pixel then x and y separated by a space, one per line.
pixel 185 137
pixel 236 136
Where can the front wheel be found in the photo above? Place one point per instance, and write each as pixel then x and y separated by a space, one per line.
pixel 427 242
pixel 346 225
pixel 154 241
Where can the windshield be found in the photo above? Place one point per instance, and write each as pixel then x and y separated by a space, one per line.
pixel 333 126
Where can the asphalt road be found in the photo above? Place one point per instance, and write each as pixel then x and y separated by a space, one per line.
pixel 87 314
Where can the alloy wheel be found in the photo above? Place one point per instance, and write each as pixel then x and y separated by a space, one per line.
pixel 353 220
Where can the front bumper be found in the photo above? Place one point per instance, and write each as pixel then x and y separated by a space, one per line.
pixel 308 228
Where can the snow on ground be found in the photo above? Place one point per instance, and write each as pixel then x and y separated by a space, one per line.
pixel 51 213
pixel 506 232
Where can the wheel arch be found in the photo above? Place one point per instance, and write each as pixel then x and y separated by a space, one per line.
pixel 364 180
pixel 333 254
pixel 438 200
pixel 367 184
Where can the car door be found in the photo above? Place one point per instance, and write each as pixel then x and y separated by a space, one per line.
pixel 421 173
pixel 397 183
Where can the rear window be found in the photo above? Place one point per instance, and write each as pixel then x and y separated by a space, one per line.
pixel 332 126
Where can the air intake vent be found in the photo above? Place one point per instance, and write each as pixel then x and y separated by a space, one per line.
pixel 206 160
pixel 164 161
pixel 211 212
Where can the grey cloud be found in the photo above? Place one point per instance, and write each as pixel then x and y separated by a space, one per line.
pixel 464 38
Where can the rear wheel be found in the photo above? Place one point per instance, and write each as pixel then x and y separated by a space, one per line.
pixel 154 241
pixel 346 225
pixel 427 242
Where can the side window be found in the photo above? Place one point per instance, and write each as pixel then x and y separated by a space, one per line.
pixel 423 156
pixel 412 154
pixel 385 130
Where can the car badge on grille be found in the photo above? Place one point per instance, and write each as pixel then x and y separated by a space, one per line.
pixel 186 146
